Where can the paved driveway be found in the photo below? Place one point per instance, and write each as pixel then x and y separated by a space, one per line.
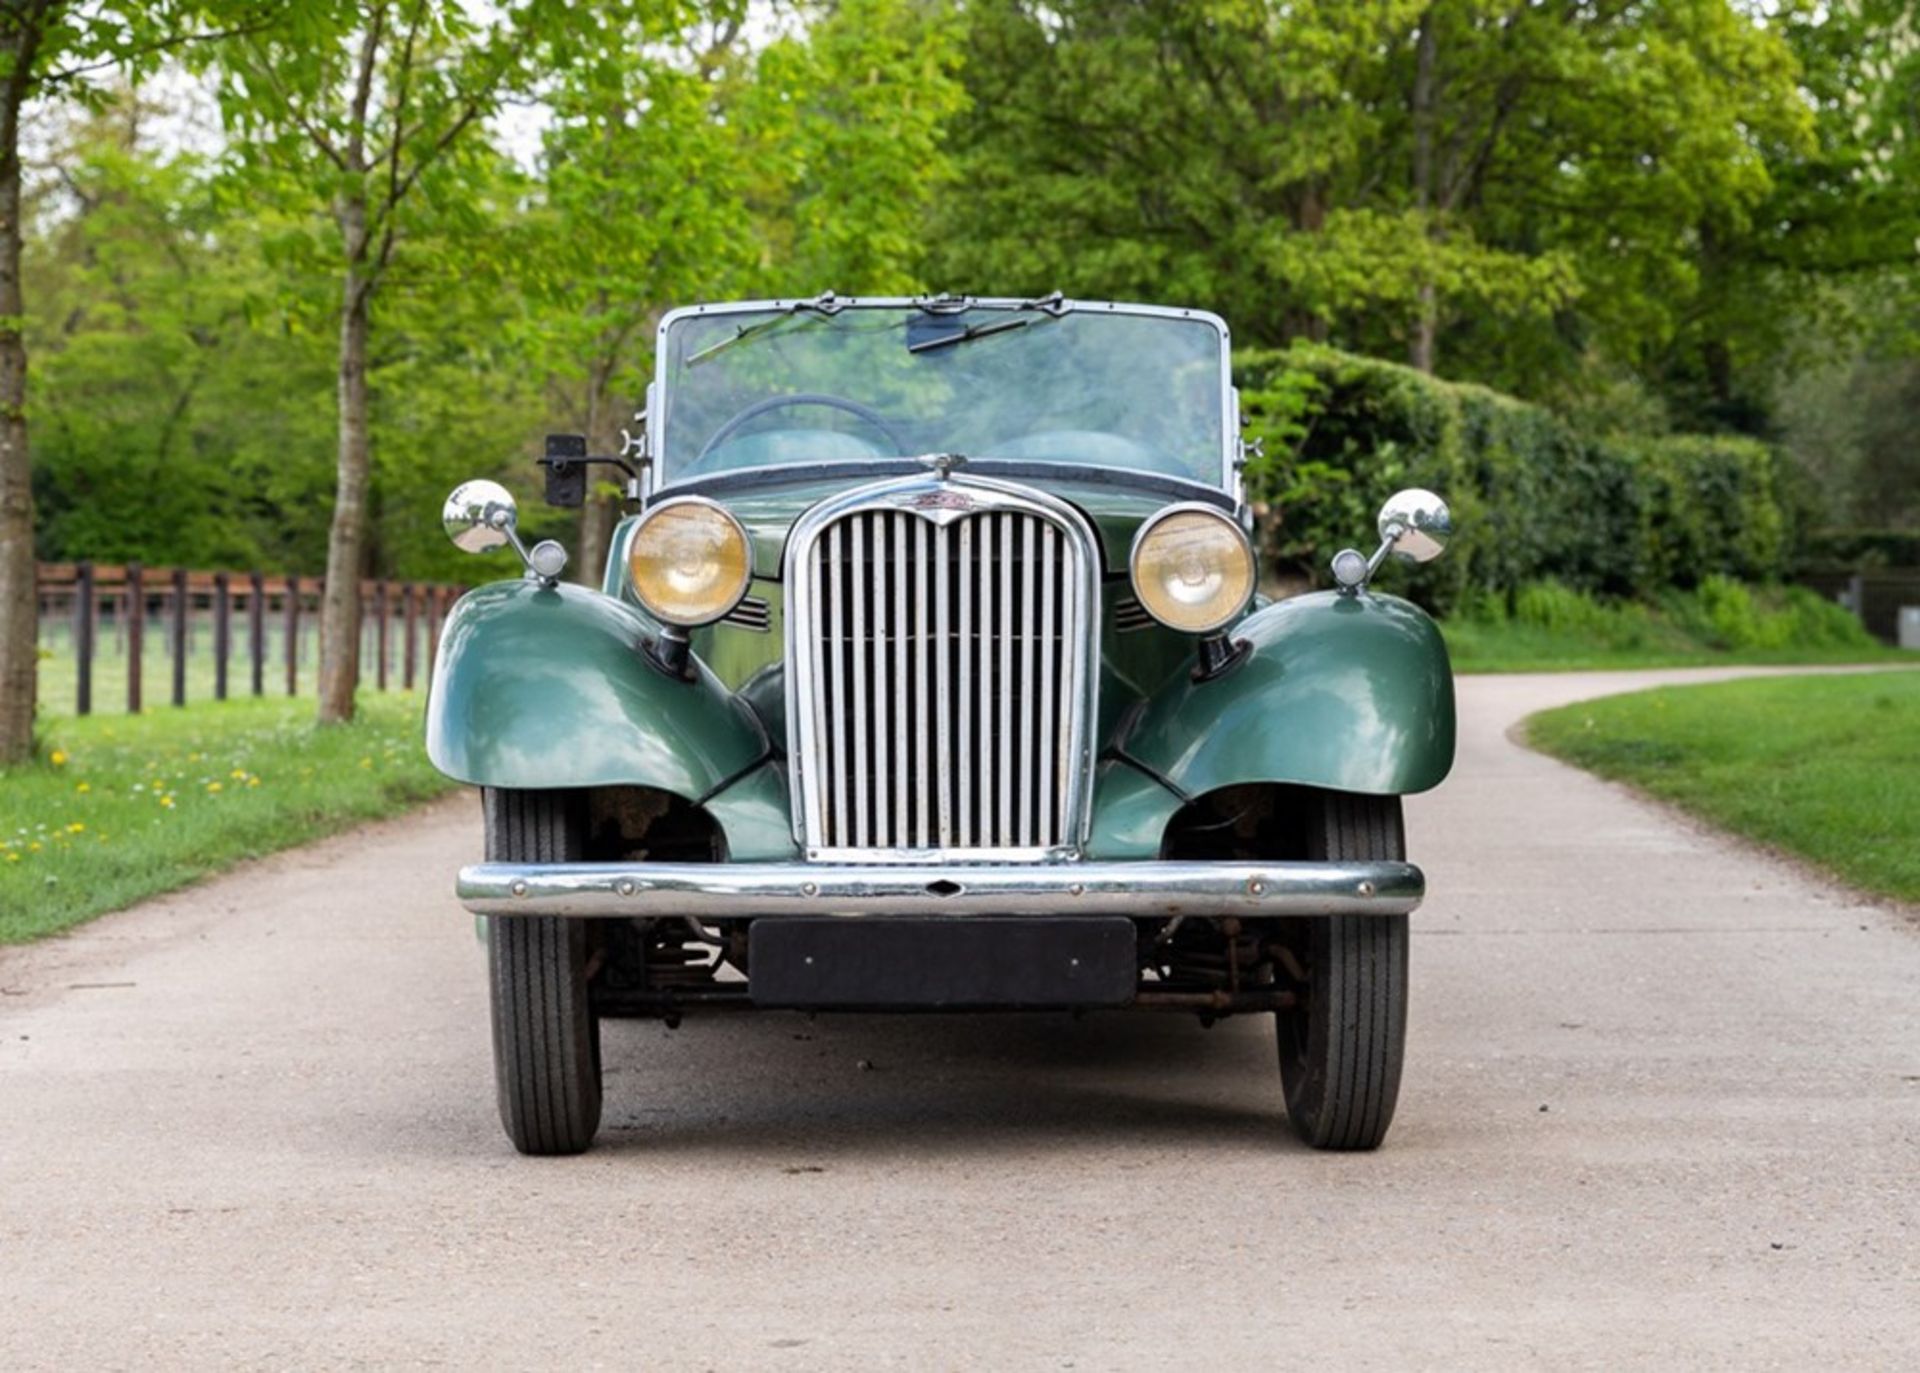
pixel 1662 1106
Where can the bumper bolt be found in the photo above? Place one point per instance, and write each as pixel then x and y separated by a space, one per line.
pixel 1076 890
pixel 1366 889
pixel 624 886
pixel 809 889
pixel 519 888
pixel 1257 887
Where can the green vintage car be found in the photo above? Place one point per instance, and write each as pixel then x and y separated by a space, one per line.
pixel 929 672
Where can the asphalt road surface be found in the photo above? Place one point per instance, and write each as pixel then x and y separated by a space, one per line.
pixel 1662 1107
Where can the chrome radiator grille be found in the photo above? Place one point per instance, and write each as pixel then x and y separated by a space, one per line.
pixel 945 683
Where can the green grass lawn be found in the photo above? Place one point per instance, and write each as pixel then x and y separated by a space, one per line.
pixel 121 807
pixel 1511 647
pixel 1545 627
pixel 1826 768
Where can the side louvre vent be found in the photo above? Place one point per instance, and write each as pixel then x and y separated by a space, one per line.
pixel 752 613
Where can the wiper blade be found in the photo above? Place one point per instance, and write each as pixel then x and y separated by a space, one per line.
pixel 824 307
pixel 969 334
pixel 740 333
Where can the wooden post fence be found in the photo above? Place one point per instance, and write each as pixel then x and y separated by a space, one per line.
pixel 179 608
pixel 407 615
pixel 83 638
pixel 136 631
pixel 74 596
pixel 380 635
pixel 222 624
pixel 257 629
pixel 293 635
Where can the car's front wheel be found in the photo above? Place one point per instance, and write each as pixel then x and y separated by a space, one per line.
pixel 1344 1039
pixel 546 1037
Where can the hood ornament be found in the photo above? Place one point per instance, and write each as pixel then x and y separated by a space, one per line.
pixel 942 463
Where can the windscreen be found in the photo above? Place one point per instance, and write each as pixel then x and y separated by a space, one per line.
pixel 754 389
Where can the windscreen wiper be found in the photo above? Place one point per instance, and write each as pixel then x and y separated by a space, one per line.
pixel 969 334
pixel 823 306
pixel 1049 307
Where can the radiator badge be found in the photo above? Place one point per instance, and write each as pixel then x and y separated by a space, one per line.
pixel 946 498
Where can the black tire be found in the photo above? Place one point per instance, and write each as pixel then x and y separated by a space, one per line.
pixel 1343 1043
pixel 546 1037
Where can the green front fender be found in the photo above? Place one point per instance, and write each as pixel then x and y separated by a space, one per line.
pixel 1352 693
pixel 548 687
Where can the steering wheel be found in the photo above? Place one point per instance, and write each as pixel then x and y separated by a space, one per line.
pixel 761 407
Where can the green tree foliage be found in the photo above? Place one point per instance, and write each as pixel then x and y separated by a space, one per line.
pixel 48 51
pixel 186 385
pixel 1694 214
pixel 1525 181
pixel 349 117
pixel 699 167
pixel 165 380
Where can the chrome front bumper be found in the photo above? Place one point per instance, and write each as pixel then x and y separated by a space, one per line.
pixel 716 891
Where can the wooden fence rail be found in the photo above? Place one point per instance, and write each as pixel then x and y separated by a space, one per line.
pixel 84 599
pixel 1875 594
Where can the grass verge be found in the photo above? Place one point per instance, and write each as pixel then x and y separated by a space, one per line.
pixel 1545 627
pixel 1825 768
pixel 124 807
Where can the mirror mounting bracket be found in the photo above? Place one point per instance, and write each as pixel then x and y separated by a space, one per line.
pixel 567 460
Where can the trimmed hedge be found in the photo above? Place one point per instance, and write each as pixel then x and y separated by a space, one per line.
pixel 1534 499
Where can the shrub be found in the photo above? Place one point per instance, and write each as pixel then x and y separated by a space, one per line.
pixel 1720 614
pixel 1536 500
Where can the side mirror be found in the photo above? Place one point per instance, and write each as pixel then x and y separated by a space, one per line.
pixel 1414 527
pixel 1417 524
pixel 566 470
pixel 480 516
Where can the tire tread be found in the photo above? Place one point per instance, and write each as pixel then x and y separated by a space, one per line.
pixel 1344 1098
pixel 545 1034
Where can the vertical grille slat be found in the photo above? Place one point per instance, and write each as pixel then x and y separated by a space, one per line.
pixel 856 724
pixel 943 653
pixel 883 697
pixel 1007 687
pixel 923 621
pixel 830 703
pixel 1029 565
pixel 945 662
pixel 899 823
pixel 969 674
pixel 1049 663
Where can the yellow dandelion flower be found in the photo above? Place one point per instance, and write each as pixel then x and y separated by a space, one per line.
pixel 13 858
pixel 253 781
pixel 57 758
pixel 366 762
pixel 213 786
pixel 166 802
pixel 34 847
pixel 238 774
pixel 84 788
pixel 76 828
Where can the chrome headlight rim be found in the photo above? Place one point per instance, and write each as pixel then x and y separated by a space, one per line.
pixel 738 530
pixel 1226 521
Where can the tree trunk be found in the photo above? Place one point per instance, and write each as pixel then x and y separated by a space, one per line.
pixel 1426 324
pixel 19 601
pixel 601 513
pixel 1426 310
pixel 346 539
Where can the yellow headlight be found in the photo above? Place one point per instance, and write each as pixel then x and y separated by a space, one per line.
pixel 690 561
pixel 1192 568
